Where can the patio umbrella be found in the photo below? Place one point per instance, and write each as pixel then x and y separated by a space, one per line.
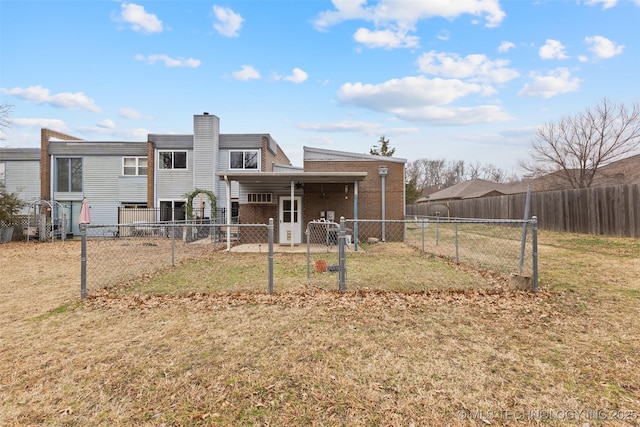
pixel 85 216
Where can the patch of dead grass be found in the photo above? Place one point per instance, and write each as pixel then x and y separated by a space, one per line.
pixel 308 356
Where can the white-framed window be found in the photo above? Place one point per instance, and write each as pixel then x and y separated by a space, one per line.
pixel 134 166
pixel 69 174
pixel 3 169
pixel 244 160
pixel 172 160
pixel 259 197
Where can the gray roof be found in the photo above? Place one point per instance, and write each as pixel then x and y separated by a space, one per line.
pixel 311 153
pixel 468 190
pixel 19 154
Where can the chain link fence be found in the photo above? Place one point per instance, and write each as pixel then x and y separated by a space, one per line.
pixel 421 253
pixel 132 255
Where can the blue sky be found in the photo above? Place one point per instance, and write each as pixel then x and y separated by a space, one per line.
pixel 441 79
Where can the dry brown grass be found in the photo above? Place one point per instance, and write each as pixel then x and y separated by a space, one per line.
pixel 314 357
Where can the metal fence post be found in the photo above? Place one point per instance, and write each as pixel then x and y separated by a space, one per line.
pixel 270 233
pixel 173 245
pixel 341 256
pixel 422 232
pixel 534 253
pixel 307 233
pixel 83 261
pixel 457 257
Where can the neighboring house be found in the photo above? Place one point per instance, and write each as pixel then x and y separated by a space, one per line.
pixel 470 189
pixel 249 175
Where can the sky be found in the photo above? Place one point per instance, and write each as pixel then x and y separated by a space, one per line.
pixel 456 80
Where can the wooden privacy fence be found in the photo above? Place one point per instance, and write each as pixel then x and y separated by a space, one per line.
pixel 613 211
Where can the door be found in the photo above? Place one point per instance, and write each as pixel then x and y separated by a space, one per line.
pixel 289 230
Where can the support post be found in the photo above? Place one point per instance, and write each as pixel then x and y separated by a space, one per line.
pixel 342 268
pixel 523 243
pixel 534 253
pixel 270 233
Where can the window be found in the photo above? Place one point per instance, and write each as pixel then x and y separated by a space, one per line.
pixel 172 160
pixel 134 166
pixel 69 175
pixel 243 160
pixel 2 174
pixel 259 198
pixel 172 210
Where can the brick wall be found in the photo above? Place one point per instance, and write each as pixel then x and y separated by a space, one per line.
pixel 257 214
pixel 325 197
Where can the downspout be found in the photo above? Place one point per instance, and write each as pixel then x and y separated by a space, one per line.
pixel 292 210
pixel 228 213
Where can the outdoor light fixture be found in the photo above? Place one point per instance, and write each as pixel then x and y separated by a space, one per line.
pixel 383 170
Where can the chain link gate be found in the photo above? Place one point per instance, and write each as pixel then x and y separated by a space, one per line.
pixel 326 260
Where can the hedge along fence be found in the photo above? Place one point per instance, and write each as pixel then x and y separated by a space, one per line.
pixel 613 211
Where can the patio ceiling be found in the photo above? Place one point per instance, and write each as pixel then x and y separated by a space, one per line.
pixel 278 178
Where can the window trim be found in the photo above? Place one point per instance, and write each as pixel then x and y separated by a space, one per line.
pixel 244 166
pixel 137 165
pixel 3 173
pixel 161 164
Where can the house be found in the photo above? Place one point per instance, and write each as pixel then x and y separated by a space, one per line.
pixel 241 175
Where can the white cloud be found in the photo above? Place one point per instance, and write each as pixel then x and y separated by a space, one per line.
pixel 417 99
pixel 138 134
pixel 131 114
pixel 408 92
pixel 454 116
pixel 66 100
pixel 475 67
pixel 602 47
pixel 228 22
pixel 552 49
pixel 405 14
pixel 107 124
pixel 341 126
pixel 298 76
pixel 139 19
pixel 53 124
pixel 556 82
pixel 444 35
pixel 606 4
pixel 168 61
pixel 385 39
pixel 247 72
pixel 505 46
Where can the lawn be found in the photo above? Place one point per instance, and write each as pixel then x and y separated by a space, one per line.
pixel 376 355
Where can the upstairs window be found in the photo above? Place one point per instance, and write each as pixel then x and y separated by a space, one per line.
pixel 243 160
pixel 69 175
pixel 2 174
pixel 172 160
pixel 134 166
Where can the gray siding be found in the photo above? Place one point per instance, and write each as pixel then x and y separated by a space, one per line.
pixel 241 141
pixel 173 184
pixel 205 151
pixel 132 189
pixel 23 178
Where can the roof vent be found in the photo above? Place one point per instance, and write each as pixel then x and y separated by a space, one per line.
pixel 205 113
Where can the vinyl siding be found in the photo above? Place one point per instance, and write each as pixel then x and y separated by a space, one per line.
pixel 23 178
pixel 173 184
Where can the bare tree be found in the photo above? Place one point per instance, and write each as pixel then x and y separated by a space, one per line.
pixel 5 109
pixel 578 146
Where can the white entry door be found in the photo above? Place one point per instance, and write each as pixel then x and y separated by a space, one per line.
pixel 289 230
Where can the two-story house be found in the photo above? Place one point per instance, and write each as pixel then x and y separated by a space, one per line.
pixel 249 176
